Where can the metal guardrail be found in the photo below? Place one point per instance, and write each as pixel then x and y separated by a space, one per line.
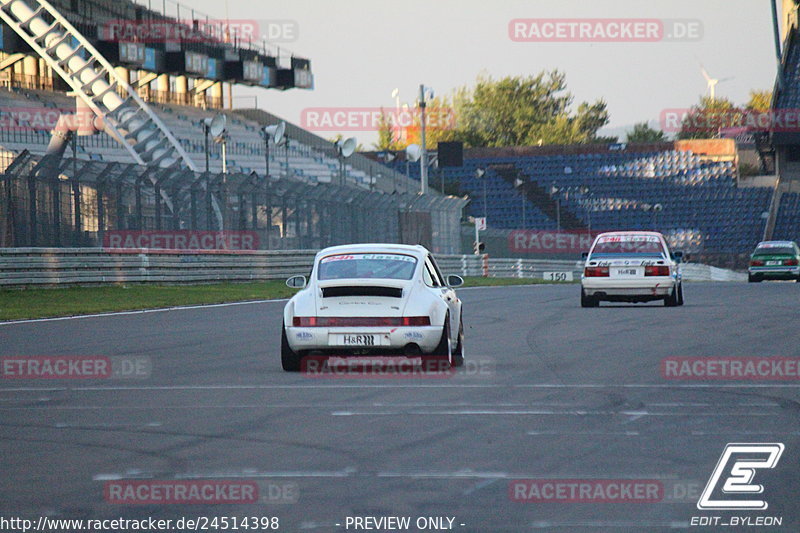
pixel 473 265
pixel 71 266
pixel 76 266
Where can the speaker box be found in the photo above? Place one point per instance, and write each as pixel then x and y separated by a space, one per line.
pixel 451 154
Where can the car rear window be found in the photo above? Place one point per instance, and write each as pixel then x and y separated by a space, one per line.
pixel 628 244
pixel 367 266
pixel 768 249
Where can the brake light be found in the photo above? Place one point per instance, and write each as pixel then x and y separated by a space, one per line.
pixel 756 262
pixel 416 321
pixel 595 272
pixel 656 270
pixel 790 262
pixel 356 321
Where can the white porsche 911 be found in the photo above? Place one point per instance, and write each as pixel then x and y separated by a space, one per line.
pixel 631 266
pixel 384 299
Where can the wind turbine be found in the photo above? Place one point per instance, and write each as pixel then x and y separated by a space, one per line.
pixel 711 83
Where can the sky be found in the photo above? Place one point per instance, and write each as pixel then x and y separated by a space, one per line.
pixel 360 50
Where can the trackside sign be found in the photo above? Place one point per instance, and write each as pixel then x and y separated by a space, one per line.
pixel 181 240
pixel 550 242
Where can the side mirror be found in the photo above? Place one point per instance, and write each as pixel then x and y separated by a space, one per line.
pixel 584 255
pixel 454 281
pixel 296 282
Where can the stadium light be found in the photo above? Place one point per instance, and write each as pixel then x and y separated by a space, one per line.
pixel 423 165
pixel 479 173
pixel 555 194
pixel 275 132
pixel 413 153
pixel 217 128
pixel 344 149
pixel 518 184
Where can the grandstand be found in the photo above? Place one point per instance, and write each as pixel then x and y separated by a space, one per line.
pixel 693 198
pixel 784 221
pixel 151 159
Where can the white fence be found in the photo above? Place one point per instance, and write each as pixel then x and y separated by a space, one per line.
pixel 57 266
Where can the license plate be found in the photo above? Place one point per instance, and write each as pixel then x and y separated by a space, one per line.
pixel 626 272
pixel 358 339
pixel 774 263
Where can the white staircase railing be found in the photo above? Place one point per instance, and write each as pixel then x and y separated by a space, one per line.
pixel 130 120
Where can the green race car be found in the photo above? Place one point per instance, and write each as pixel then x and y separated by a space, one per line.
pixel 774 260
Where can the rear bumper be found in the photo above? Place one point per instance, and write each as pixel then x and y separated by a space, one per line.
pixel 629 290
pixel 387 340
pixel 774 272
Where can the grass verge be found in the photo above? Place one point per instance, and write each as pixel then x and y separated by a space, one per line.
pixel 18 304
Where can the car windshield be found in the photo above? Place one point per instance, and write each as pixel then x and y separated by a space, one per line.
pixel 769 249
pixel 349 266
pixel 628 244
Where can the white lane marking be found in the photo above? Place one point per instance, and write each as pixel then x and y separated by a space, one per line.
pixel 693 404
pixel 245 473
pixel 738 432
pixel 479 486
pixel 138 312
pixel 518 285
pixel 738 385
pixel 472 474
pixel 601 433
pixel 401 386
pixel 537 412
pixel 65 425
pixel 202 306
pixel 462 474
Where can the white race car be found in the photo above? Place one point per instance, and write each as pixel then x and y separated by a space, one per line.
pixel 384 299
pixel 631 266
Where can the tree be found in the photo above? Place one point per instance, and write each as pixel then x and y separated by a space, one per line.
pixel 524 111
pixel 396 130
pixel 643 133
pixel 759 101
pixel 387 135
pixel 706 119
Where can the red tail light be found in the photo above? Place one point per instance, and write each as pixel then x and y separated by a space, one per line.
pixel 595 272
pixel 756 262
pixel 656 270
pixel 416 321
pixel 362 321
pixel 790 262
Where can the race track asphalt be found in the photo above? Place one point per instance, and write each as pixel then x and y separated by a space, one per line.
pixel 551 392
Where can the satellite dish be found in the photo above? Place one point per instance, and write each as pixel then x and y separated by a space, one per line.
pixel 346 147
pixel 276 131
pixel 413 152
pixel 218 125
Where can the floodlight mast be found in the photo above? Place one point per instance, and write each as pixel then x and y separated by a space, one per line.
pixel 423 162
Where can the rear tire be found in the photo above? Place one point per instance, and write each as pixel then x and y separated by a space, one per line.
pixel 290 360
pixel 589 301
pixel 440 358
pixel 672 299
pixel 457 359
